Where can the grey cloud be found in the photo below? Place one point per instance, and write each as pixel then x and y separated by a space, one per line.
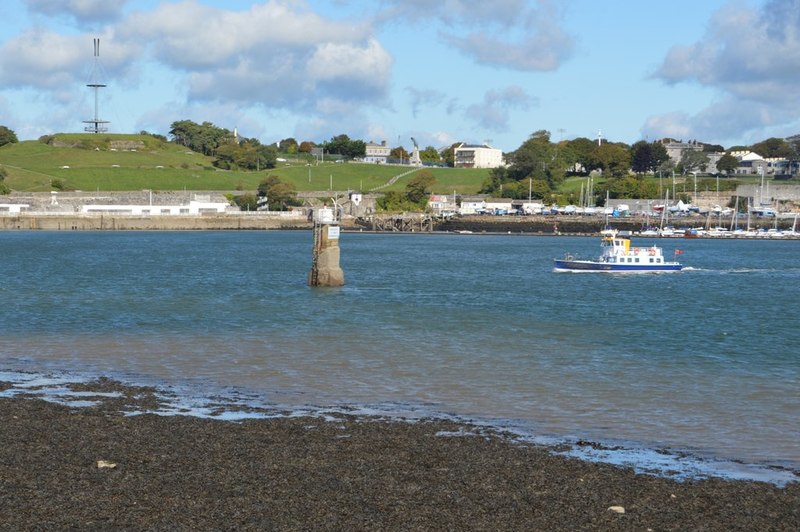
pixel 421 98
pixel 83 11
pixel 494 112
pixel 455 12
pixel 533 36
pixel 752 58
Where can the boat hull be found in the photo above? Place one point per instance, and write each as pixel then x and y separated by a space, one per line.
pixel 565 265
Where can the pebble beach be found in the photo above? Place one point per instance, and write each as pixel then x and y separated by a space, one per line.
pixel 115 465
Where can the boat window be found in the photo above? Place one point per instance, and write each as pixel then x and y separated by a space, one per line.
pixel 637 259
pixel 651 260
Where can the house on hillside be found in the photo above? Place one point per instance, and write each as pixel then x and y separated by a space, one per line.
pixel 376 153
pixel 477 156
pixel 675 151
pixel 750 163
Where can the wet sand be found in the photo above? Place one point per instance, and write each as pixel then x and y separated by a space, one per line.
pixel 95 468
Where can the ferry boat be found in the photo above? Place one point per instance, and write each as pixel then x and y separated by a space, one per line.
pixel 618 255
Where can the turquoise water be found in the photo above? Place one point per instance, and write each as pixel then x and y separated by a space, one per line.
pixel 705 361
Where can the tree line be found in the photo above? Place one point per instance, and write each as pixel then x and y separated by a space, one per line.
pixel 229 151
pixel 538 167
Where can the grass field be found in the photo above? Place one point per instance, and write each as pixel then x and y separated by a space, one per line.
pixel 87 162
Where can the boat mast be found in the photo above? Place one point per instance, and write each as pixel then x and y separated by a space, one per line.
pixel 735 216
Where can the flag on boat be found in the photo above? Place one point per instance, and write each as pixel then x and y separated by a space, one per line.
pixel 678 252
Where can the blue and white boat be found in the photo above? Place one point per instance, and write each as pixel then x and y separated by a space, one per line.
pixel 618 255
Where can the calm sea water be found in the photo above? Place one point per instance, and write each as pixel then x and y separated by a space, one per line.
pixel 706 360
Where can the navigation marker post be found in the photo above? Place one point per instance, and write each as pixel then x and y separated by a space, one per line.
pixel 325 269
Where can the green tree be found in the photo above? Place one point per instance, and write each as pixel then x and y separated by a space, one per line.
pixel 728 164
pixel 713 148
pixel 343 145
pixel 493 183
pixel 419 186
pixel 430 155
pixel 660 155
pixel 246 202
pixel 280 195
pixel 4 187
pixel 394 201
pixel 612 158
pixel 647 157
pixel 532 158
pixel 641 157
pixel 580 152
pixel 772 147
pixel 204 138
pixel 288 145
pixel 306 146
pixel 693 161
pixel 7 136
pixel 448 154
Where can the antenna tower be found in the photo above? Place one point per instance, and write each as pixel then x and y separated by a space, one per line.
pixel 95 125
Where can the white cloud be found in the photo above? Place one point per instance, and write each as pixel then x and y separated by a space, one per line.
pixel 752 59
pixel 443 138
pixel 274 54
pixel 351 70
pixel 44 59
pixel 673 125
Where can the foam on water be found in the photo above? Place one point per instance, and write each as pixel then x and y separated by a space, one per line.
pixel 674 464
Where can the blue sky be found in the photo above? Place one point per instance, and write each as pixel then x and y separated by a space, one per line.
pixel 719 71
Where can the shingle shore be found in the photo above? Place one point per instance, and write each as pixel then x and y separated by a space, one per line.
pixel 95 468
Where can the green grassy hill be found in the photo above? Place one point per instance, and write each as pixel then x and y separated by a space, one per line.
pixel 136 162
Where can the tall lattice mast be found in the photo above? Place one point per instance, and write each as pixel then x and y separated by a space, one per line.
pixel 96 125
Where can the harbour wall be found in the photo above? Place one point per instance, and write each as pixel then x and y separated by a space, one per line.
pixel 560 224
pixel 109 222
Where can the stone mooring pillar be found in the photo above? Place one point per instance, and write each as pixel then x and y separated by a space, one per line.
pixel 325 269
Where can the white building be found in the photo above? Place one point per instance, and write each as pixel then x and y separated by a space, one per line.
pixel 13 208
pixel 499 205
pixel 377 153
pixel 472 205
pixel 193 208
pixel 477 156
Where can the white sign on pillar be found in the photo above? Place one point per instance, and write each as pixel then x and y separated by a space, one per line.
pixel 333 232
